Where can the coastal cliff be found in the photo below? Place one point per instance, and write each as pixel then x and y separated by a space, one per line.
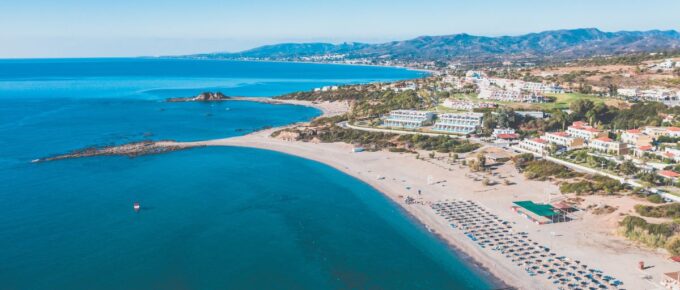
pixel 202 97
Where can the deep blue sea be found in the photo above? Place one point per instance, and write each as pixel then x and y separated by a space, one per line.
pixel 211 218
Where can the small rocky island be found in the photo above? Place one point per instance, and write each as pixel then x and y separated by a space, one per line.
pixel 130 150
pixel 202 97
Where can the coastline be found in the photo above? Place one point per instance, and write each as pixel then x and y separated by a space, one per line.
pixel 398 175
pixel 338 156
pixel 305 62
pixel 589 239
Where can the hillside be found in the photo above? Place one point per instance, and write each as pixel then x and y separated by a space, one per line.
pixel 563 44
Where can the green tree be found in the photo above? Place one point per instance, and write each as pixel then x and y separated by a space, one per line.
pixel 580 107
pixel 505 117
pixel 559 117
pixel 489 123
pixel 628 168
pixel 613 90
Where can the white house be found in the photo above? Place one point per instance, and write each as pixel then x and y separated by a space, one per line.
pixel 563 139
pixel 635 137
pixel 583 130
pixel 501 131
pixel 532 114
pixel 628 92
pixel 607 145
pixel 537 145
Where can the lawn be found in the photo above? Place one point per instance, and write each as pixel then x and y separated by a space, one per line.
pixel 562 101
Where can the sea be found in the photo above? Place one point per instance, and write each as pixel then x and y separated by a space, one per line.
pixel 210 218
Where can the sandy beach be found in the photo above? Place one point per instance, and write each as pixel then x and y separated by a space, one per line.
pixel 590 239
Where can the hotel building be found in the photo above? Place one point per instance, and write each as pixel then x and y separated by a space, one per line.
pixel 563 139
pixel 635 137
pixel 408 119
pixel 608 145
pixel 460 123
pixel 583 130
pixel 537 145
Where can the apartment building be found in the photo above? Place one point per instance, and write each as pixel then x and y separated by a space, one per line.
pixel 408 119
pixel 563 139
pixel 636 137
pixel 459 123
pixel 583 130
pixel 536 145
pixel 607 145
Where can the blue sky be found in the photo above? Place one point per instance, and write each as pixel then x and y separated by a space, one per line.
pixel 73 28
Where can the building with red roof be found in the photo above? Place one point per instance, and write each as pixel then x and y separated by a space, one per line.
pixel 583 130
pixel 537 145
pixel 636 137
pixel 564 139
pixel 608 145
pixel 668 174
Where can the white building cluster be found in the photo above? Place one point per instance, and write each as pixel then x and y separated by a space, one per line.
pixel 457 123
pixel 507 90
pixel 510 96
pixel 578 135
pixel 407 119
pixel 466 105
pixel 652 94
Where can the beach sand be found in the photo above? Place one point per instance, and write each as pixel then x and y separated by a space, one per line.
pixel 589 238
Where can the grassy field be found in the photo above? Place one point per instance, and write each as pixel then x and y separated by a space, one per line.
pixel 562 101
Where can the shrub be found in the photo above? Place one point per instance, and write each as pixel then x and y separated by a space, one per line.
pixel 577 187
pixel 652 235
pixel 541 169
pixel 671 210
pixel 673 245
pixel 655 198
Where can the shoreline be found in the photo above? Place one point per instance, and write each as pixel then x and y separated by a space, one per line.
pixel 472 257
pixel 589 239
pixel 305 62
pixel 327 109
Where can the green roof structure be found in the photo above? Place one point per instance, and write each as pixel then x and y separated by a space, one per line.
pixel 544 210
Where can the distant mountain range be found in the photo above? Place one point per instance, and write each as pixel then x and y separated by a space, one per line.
pixel 563 44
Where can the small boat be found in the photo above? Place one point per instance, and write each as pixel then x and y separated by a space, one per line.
pixel 136 206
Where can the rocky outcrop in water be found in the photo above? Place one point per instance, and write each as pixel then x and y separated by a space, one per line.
pixel 131 150
pixel 202 97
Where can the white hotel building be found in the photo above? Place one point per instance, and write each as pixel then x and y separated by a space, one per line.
pixel 460 123
pixel 536 145
pixel 563 139
pixel 607 145
pixel 408 119
pixel 583 130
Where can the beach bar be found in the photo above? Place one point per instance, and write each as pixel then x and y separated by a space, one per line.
pixel 539 213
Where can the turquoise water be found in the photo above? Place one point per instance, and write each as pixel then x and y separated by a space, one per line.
pixel 211 218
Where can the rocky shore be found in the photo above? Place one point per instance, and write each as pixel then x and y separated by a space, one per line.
pixel 202 97
pixel 131 150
